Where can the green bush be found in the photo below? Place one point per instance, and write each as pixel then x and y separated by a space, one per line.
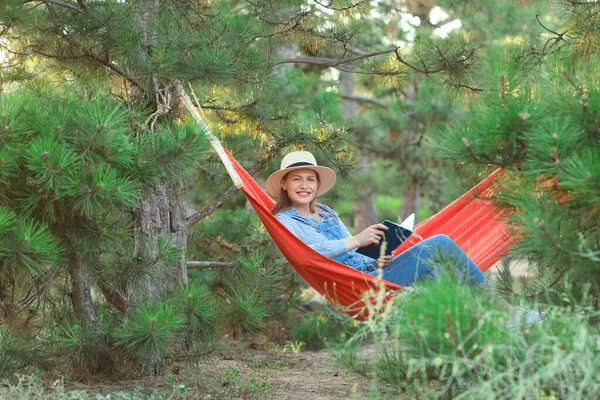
pixel 9 353
pixel 198 307
pixel 84 351
pixel 257 282
pixel 150 332
pixel 317 329
pixel 446 340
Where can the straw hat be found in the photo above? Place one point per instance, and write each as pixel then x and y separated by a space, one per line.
pixel 300 160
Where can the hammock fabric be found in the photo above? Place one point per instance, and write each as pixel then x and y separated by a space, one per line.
pixel 472 221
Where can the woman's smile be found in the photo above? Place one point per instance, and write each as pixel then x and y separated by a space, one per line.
pixel 303 193
pixel 301 186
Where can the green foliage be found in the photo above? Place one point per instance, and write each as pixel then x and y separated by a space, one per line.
pixel 26 246
pixel 318 329
pixel 540 123
pixel 175 147
pixel 150 331
pixel 199 310
pixel 74 165
pixel 82 156
pixel 449 341
pixel 20 353
pixel 230 384
pixel 34 387
pixel 220 226
pixel 83 351
pixel 9 361
pixel 247 295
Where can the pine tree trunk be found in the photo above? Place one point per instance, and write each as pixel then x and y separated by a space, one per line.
pixel 411 191
pixel 161 215
pixel 363 204
pixel 83 305
pixel 162 211
pixel 411 199
pixel 365 213
pixel 81 296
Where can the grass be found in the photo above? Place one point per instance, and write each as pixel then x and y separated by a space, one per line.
pixel 228 384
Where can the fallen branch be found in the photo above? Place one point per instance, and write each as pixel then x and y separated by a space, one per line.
pixel 369 100
pixel 209 264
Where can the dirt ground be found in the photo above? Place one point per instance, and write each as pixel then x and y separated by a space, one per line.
pixel 298 376
pixel 248 374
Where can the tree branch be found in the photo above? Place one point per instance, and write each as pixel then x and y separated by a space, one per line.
pixel 114 297
pixel 331 7
pixel 209 264
pixel 361 99
pixel 422 71
pixel 461 86
pixel 58 3
pixel 233 109
pixel 559 36
pixel 328 62
pixel 104 60
pixel 205 212
pixel 200 215
pixel 332 62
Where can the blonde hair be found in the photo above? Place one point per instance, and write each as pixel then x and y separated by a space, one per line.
pixel 284 202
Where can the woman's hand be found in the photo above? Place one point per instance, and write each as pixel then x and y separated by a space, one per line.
pixel 384 261
pixel 372 235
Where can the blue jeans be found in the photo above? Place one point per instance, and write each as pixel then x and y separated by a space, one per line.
pixel 433 256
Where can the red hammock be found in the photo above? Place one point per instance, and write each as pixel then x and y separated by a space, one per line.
pixel 473 222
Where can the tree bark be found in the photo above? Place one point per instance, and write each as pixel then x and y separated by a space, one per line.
pixel 162 211
pixel 161 215
pixel 363 204
pixel 209 264
pixel 83 305
pixel 411 199
pixel 365 213
pixel 81 296
pixel 411 191
pixel 113 297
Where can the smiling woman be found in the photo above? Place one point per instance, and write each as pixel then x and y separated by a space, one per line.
pixel 296 186
pixel 301 187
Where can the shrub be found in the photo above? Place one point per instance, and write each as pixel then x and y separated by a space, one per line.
pixel 446 340
pixel 150 332
pixel 317 329
pixel 246 295
pixel 197 305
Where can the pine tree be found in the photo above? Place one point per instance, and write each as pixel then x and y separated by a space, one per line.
pixel 96 144
pixel 539 119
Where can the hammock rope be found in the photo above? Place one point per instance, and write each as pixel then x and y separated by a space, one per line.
pixel 472 221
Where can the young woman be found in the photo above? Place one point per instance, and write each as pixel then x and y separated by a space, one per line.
pixel 300 181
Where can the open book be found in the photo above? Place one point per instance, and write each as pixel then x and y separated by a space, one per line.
pixel 394 236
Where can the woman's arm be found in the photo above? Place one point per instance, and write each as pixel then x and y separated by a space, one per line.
pixel 332 248
pixel 371 235
pixel 315 239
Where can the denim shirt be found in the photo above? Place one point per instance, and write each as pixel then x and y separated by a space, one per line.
pixel 326 237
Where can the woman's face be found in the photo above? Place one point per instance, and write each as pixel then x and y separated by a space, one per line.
pixel 301 186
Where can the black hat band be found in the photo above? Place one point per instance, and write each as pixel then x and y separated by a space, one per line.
pixel 299 164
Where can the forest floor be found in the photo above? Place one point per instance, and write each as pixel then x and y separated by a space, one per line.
pixel 256 369
pixel 236 373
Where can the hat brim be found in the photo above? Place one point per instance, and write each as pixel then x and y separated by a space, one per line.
pixel 326 177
